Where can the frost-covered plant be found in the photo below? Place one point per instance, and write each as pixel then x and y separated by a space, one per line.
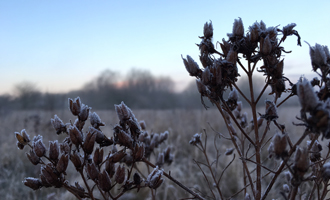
pixel 108 166
pixel 306 167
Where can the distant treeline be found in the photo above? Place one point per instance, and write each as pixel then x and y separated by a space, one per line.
pixel 139 89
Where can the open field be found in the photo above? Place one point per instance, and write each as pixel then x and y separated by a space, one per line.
pixel 181 124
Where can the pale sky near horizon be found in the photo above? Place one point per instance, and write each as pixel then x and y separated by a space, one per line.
pixel 60 45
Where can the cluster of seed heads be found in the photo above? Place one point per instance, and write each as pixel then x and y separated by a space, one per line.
pixel 86 150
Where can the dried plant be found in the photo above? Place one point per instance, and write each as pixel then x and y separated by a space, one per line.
pixel 307 171
pixel 274 162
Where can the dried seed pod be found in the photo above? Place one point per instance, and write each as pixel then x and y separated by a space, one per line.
pixel 89 141
pixel 65 147
pixel 266 46
pixel 76 160
pixel 95 120
pixel 32 183
pixel 208 30
pixel 301 161
pixel 143 125
pixel 92 171
pixel 196 139
pixel 168 157
pixel 75 135
pixel 22 137
pixel 62 163
pixel 238 28
pixel 34 159
pixel 206 76
pixel 229 151
pixel 44 181
pixel 98 156
pixel 202 89
pixel 19 145
pixel 39 148
pixel 110 167
pixel 75 106
pixel 307 97
pixel 191 66
pixel 232 56
pixel 280 143
pixel 286 188
pixel 138 152
pixel 53 150
pixel 50 176
pixel 104 181
pixel 58 125
pixel 319 55
pixel 160 159
pixel 83 115
pixel 116 157
pixel 123 139
pixel 120 174
pixel 155 179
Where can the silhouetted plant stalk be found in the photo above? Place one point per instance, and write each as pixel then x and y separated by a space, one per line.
pixel 303 163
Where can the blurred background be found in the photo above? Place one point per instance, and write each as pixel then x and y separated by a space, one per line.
pixel 112 51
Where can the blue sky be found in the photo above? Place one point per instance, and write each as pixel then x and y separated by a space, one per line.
pixel 60 45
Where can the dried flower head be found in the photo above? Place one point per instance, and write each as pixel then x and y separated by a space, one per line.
pixel 191 66
pixel 155 179
pixel 208 30
pixel 58 125
pixel 75 106
pixel 307 97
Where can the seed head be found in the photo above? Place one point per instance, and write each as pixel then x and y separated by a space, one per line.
pixel 58 125
pixel 53 150
pixel 280 143
pixel 196 139
pixel 34 159
pixel 62 163
pixel 39 148
pixel 92 171
pixel 83 115
pixel 120 174
pixel 306 94
pixel 32 183
pixel 98 156
pixel 191 66
pixel 238 28
pixel 89 142
pixel 76 160
pixel 208 30
pixel 75 106
pixel 75 135
pixel 301 161
pixel 104 181
pixel 155 179
pixel 266 46
pixel 23 138
pixel 96 120
pixel 110 167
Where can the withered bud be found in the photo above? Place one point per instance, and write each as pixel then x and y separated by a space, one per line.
pixel 76 160
pixel 104 181
pixel 58 125
pixel 96 120
pixel 120 174
pixel 319 55
pixel 168 157
pixel 53 150
pixel 232 56
pixel 83 115
pixel 155 179
pixel 19 145
pixel 138 152
pixel 208 30
pixel 254 33
pixel 117 156
pixel 143 125
pixel 32 183
pixel 110 167
pixel 270 111
pixel 266 46
pixel 202 89
pixel 34 159
pixel 88 145
pixel 280 143
pixel 124 139
pixel 75 106
pixel 206 76
pixel 65 147
pixel 238 28
pixel 136 179
pixel 22 137
pixel 307 97
pixel 301 161
pixel 196 139
pixel 39 148
pixel 163 137
pixel 75 135
pixel 160 159
pixel 62 163
pixel 98 156
pixel 191 66
pixel 50 176
pixel 92 171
